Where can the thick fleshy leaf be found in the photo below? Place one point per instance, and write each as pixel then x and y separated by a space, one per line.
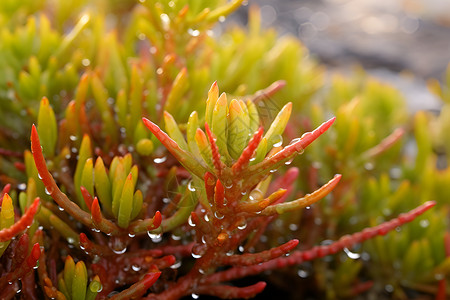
pixel 173 131
pixel 79 282
pixel 219 125
pixel 276 129
pixel 185 158
pixel 302 202
pixel 103 185
pixel 213 95
pixel 238 129
pixel 48 127
pixel 126 203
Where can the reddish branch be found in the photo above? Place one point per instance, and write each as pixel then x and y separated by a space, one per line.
pixel 86 196
pixel 298 257
pixel 248 152
pixel 50 184
pixel 249 259
pixel 8 233
pixel 25 266
pixel 138 289
pixel 231 292
pixel 218 164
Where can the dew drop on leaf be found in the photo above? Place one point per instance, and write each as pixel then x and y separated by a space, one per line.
pixel 136 268
pixel 120 251
pixel 191 186
pixel 190 222
pixel 156 238
pixel 160 160
pixel 176 265
pixel 351 255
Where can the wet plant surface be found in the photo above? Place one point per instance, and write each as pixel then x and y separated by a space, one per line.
pixel 166 157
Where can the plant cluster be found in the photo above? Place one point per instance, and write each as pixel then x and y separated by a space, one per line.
pixel 106 204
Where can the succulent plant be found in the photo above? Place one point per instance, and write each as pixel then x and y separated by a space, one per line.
pixel 109 205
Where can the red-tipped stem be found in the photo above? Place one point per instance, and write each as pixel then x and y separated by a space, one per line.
pixel 8 233
pixel 218 164
pixel 248 152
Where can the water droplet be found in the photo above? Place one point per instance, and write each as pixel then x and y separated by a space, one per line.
pixel 165 20
pixel 22 186
pixel 222 19
pixel 256 195
pixel 95 230
pixel 369 166
pixel 136 268
pixel 193 32
pixel 277 140
pixel 303 273
pixel 228 184
pixel 439 276
pixel 242 226
pixel 191 186
pixel 293 227
pixel 206 218
pixel 351 255
pixel 218 215
pixel 198 250
pixel 131 235
pixel 273 170
pixel 18 291
pixel 176 265
pixel 241 249
pixel 190 222
pixel 48 190
pixel 308 207
pixel 229 253
pixel 156 238
pixel 160 160
pixel 389 288
pixel 70 240
pixel 289 162
pixel 39 176
pixel 175 237
pixel 120 251
pixel 194 296
pixel 424 223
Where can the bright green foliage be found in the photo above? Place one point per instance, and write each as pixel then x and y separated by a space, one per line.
pixel 73 282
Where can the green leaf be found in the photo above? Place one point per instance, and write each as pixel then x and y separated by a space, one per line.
pixel 69 273
pixel 84 154
pixel 47 127
pixel 173 131
pixel 103 185
pixel 79 283
pixel 126 202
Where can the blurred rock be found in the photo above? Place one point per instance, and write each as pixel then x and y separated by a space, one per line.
pixel 394 36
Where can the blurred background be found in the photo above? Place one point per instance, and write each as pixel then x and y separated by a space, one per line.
pixel 404 42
